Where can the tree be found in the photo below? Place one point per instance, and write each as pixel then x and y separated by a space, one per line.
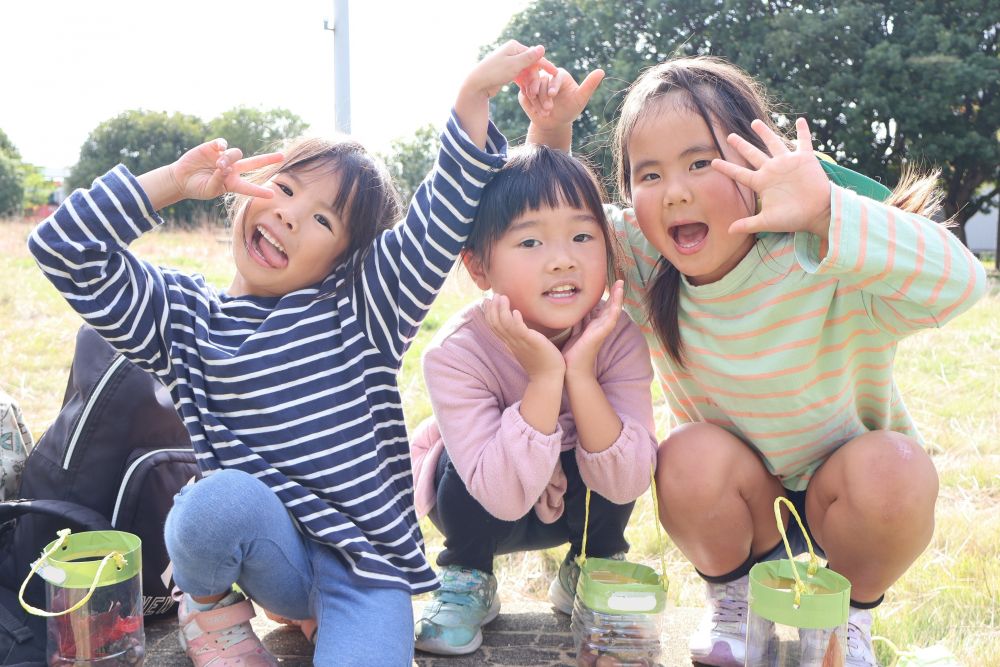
pixel 254 130
pixel 145 140
pixel 11 185
pixel 142 141
pixel 7 146
pixel 884 84
pixel 411 159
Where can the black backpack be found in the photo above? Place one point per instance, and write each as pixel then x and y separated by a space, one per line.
pixel 114 457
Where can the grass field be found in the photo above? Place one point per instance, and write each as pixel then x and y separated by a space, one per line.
pixel 950 379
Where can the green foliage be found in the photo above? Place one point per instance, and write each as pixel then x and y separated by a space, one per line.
pixel 7 147
pixel 142 141
pixel 11 185
pixel 255 130
pixel 411 159
pixel 145 140
pixel 884 83
pixel 37 188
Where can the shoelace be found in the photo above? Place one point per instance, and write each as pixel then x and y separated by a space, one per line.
pixel 730 611
pixel 855 641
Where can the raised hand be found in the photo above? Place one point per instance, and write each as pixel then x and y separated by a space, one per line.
pixel 212 169
pixel 793 188
pixel 557 99
pixel 510 61
pixel 581 354
pixel 538 356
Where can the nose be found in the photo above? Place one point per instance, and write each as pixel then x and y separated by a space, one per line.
pixel 287 216
pixel 561 257
pixel 676 192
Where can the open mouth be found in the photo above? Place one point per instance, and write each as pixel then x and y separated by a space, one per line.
pixel 562 292
pixel 690 235
pixel 268 249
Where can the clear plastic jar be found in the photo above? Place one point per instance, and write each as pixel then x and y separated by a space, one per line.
pixel 615 640
pixel 106 630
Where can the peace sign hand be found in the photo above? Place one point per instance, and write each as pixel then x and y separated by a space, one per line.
pixel 793 188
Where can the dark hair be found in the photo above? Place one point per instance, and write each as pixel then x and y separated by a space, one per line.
pixel 366 201
pixel 536 176
pixel 724 95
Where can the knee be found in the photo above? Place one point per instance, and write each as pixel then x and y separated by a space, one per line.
pixel 893 480
pixel 694 459
pixel 216 504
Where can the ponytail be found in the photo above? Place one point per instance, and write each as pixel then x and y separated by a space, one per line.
pixel 917 193
pixel 663 304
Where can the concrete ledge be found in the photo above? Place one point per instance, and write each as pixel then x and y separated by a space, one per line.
pixel 526 634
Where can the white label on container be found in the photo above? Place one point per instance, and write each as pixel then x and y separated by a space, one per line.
pixel 52 574
pixel 626 601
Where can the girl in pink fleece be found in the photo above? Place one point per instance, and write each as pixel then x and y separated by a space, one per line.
pixel 539 392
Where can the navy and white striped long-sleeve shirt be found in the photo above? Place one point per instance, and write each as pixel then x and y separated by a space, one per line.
pixel 299 391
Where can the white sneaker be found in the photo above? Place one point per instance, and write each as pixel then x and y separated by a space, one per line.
pixel 859 639
pixel 721 637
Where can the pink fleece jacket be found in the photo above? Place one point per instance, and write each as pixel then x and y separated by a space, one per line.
pixel 475 386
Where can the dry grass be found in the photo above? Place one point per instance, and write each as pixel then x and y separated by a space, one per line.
pixel 950 378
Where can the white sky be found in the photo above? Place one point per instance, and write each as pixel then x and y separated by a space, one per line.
pixel 68 65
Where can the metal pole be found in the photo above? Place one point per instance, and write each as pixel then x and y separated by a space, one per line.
pixel 341 65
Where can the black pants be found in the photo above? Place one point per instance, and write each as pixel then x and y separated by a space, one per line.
pixel 472 536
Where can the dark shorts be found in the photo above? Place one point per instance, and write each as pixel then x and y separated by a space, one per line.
pixel 795 537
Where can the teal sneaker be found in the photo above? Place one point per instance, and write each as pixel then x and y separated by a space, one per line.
pixel 562 590
pixel 451 623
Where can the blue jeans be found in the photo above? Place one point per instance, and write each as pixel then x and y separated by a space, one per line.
pixel 230 527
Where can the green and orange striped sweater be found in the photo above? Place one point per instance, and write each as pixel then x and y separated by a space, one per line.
pixel 793 353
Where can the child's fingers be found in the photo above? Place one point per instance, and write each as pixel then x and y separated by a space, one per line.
pixel 741 175
pixel 590 84
pixel 755 156
pixel 802 135
pixel 238 185
pixel 751 225
pixel 773 142
pixel 257 161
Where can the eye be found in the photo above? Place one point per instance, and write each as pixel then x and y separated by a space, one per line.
pixel 648 177
pixel 321 219
pixel 583 237
pixel 700 164
pixel 529 243
pixel 284 188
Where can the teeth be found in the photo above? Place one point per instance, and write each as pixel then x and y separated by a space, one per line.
pixel 562 290
pixel 271 239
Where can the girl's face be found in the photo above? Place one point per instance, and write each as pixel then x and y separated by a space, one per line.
pixel 290 241
pixel 683 206
pixel 552 263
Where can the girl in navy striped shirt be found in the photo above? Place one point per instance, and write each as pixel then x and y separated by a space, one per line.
pixel 287 380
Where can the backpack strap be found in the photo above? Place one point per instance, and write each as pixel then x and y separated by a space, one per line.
pixel 13 627
pixel 852 180
pixel 78 515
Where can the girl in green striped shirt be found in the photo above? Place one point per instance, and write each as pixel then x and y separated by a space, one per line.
pixel 773 299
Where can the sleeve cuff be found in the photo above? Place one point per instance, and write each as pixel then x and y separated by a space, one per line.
pixel 843 239
pixel 458 143
pixel 515 421
pixel 134 203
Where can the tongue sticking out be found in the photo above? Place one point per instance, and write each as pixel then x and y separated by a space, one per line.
pixel 691 234
pixel 266 249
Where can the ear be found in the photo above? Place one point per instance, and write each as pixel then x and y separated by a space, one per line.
pixel 476 270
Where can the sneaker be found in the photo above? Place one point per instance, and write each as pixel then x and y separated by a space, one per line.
pixel 721 638
pixel 222 636
pixel 451 623
pixel 562 590
pixel 859 639
pixel 820 647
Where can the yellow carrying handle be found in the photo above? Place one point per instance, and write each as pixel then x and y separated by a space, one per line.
pixel 582 558
pixel 63 535
pixel 813 566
